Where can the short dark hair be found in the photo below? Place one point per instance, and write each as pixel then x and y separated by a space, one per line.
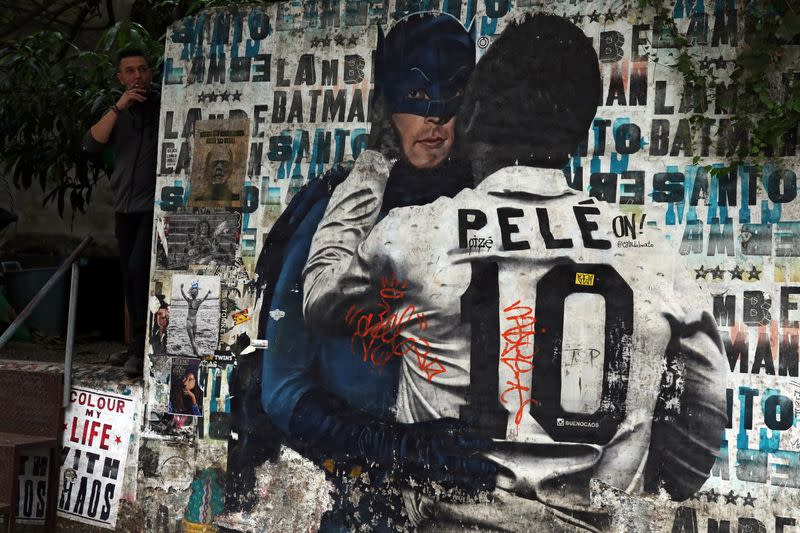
pixel 532 97
pixel 131 51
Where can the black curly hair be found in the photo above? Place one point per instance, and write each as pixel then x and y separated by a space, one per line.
pixel 131 51
pixel 531 98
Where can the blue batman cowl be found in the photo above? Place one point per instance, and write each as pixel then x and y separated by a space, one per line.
pixel 423 64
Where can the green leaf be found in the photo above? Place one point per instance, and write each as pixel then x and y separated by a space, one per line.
pixel 107 39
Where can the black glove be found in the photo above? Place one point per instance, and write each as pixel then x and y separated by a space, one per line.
pixel 440 451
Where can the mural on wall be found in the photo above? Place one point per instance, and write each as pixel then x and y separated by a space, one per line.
pixel 461 264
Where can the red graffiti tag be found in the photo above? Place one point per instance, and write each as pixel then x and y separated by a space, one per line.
pixel 385 334
pixel 515 337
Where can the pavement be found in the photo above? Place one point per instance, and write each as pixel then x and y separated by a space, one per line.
pixel 88 350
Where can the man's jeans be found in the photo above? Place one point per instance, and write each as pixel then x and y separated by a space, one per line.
pixel 134 233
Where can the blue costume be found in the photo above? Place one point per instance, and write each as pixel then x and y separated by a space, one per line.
pixel 323 398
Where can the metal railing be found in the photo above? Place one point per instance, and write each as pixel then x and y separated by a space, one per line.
pixel 69 262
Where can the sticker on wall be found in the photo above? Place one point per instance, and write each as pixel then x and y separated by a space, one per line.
pixel 97 430
pixel 218 163
pixel 159 320
pixel 236 314
pixel 217 403
pixel 194 315
pixel 158 333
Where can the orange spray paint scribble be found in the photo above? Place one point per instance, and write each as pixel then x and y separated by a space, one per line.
pixel 385 334
pixel 515 337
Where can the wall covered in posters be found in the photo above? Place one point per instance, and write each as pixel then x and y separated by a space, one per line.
pixel 528 305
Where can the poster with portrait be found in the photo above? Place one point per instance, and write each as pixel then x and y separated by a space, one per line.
pixel 158 312
pixel 186 380
pixel 219 160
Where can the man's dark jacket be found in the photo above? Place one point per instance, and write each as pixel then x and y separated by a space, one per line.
pixel 135 140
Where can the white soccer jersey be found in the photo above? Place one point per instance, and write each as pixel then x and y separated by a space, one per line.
pixel 516 309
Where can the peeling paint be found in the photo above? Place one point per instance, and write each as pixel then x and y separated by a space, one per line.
pixel 292 496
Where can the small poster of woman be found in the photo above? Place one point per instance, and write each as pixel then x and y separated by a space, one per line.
pixel 185 394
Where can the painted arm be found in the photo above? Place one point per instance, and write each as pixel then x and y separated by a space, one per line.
pixel 341 267
pixel 184 294
pixel 289 360
pixel 204 298
pixel 690 416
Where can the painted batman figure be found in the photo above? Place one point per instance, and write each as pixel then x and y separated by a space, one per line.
pixel 318 394
pixel 433 54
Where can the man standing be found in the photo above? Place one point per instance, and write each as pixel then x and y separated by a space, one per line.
pixel 580 361
pixel 131 124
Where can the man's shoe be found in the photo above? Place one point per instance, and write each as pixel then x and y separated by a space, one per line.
pixel 134 366
pixel 118 358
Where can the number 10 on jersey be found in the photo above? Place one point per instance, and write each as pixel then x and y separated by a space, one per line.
pixel 579 380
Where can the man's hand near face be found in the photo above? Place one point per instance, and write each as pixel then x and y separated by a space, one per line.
pixel 130 97
pixel 135 74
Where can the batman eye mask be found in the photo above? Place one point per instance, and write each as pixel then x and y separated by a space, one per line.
pixel 425 63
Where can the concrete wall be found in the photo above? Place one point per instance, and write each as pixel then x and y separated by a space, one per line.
pixel 41 229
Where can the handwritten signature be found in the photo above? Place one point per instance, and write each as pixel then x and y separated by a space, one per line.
pixel 515 338
pixel 479 243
